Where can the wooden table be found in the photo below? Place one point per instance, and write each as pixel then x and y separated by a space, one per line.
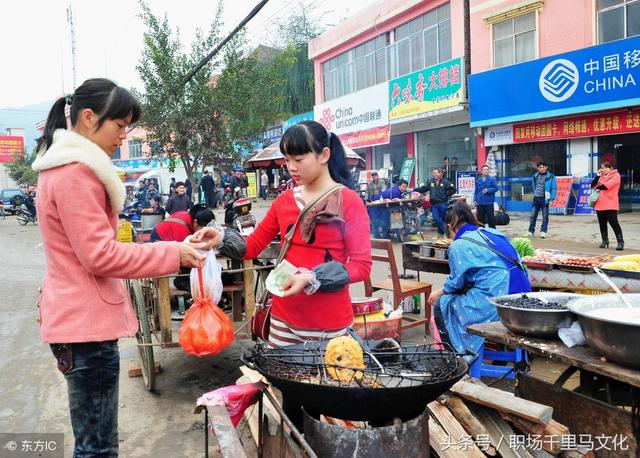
pixel 387 202
pixel 592 408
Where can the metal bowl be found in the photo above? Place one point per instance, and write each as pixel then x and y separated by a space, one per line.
pixel 616 340
pixel 535 323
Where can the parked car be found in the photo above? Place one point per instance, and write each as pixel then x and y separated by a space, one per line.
pixel 12 198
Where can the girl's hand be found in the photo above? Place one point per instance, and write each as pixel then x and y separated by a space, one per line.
pixel 434 296
pixel 189 257
pixel 296 284
pixel 206 238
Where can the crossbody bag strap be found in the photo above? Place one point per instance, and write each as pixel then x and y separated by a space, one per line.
pixel 177 220
pixel 502 255
pixel 292 229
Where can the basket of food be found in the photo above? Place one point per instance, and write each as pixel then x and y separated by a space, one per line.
pixel 376 326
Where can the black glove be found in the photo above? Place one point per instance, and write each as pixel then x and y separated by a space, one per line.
pixel 233 244
pixel 332 276
pixel 601 187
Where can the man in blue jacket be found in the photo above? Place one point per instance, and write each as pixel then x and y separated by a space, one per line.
pixel 485 197
pixel 544 192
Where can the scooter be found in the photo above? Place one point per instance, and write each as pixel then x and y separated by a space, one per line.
pixel 237 214
pixel 27 214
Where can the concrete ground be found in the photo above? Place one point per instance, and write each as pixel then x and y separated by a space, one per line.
pixel 33 394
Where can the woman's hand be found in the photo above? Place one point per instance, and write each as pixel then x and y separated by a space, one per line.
pixel 296 284
pixel 189 257
pixel 206 238
pixel 433 297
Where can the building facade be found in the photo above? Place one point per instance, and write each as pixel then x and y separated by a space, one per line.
pixel 564 91
pixel 390 82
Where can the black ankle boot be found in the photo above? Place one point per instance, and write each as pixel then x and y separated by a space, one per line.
pixel 620 245
pixel 605 243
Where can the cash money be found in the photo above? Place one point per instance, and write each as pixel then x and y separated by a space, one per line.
pixel 278 276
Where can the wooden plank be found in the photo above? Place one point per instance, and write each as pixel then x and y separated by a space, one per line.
pixel 469 422
pixel 440 442
pixel 579 356
pixel 454 429
pixel 225 433
pixel 249 296
pixel 164 310
pixel 582 415
pixel 499 400
pixel 529 428
pixel 499 432
pixel 135 370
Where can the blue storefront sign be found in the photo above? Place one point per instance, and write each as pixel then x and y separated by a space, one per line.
pixel 582 201
pixel 142 164
pixel 590 79
pixel 308 116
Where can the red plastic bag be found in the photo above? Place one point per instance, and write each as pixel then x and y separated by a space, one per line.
pixel 206 329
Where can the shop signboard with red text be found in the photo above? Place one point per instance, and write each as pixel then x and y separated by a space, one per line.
pixel 359 119
pixel 11 148
pixel 563 194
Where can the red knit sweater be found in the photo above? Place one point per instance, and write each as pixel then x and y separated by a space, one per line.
pixel 347 243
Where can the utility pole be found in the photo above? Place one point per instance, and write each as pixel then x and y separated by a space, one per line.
pixel 72 29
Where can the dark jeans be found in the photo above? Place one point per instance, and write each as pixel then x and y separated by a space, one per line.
pixel 609 217
pixel 486 215
pixel 539 204
pixel 91 370
pixel 380 224
pixel 439 211
pixel 263 192
pixel 439 319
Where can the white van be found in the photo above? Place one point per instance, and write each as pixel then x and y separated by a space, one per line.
pixel 163 176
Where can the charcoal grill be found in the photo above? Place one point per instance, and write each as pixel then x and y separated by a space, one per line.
pixel 397 382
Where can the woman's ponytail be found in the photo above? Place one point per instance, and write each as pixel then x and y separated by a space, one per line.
pixel 55 120
pixel 338 162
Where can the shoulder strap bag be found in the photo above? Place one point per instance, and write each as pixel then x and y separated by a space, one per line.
pixel 261 320
pixel 513 261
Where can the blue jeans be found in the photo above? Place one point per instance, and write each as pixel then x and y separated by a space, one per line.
pixel 439 211
pixel 263 192
pixel 539 204
pixel 380 223
pixel 92 370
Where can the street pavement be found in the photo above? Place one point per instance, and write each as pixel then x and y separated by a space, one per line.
pixel 33 394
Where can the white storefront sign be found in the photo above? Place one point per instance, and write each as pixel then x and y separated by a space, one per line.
pixel 498 135
pixel 358 111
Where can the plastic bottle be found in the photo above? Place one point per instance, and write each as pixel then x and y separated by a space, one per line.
pixel 416 303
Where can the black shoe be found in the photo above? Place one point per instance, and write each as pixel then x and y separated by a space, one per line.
pixel 604 244
pixel 620 246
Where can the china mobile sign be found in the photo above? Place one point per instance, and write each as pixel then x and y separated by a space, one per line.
pixel 590 79
pixel 359 119
pixel 11 148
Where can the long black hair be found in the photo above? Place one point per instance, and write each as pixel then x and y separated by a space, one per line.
pixel 102 96
pixel 308 136
pixel 460 213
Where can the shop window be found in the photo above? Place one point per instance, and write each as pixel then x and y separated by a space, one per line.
pixel 451 149
pixel 135 148
pixel 514 40
pixel 618 19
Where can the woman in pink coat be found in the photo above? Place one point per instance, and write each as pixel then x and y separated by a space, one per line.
pixel 607 205
pixel 84 307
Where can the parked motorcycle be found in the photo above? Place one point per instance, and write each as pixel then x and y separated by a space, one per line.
pixel 27 213
pixel 237 213
pixel 404 218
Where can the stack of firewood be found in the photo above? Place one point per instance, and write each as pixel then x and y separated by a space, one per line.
pixel 474 420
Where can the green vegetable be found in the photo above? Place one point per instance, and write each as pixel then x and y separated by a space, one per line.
pixel 523 246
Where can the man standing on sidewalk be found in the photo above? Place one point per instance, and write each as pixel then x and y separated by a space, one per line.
pixel 208 186
pixel 485 197
pixel 544 192
pixel 440 190
pixel 264 184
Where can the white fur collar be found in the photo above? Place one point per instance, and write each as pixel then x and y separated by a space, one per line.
pixel 69 147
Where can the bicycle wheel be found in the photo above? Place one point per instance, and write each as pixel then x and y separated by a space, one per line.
pixel 143 336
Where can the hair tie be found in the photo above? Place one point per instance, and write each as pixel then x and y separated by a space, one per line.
pixel 69 99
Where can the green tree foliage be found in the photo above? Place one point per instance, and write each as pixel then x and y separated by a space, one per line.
pixel 21 172
pixel 225 103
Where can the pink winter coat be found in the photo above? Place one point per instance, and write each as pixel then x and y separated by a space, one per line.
pixel 83 296
pixel 608 198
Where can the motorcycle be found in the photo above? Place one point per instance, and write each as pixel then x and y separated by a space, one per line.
pixel 237 214
pixel 27 214
pixel 404 218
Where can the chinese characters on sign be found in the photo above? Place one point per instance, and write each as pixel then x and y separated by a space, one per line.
pixel 559 204
pixel 466 182
pixel 582 201
pixel 433 88
pixel 579 126
pixel 11 148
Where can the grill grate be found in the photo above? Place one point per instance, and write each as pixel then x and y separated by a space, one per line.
pixel 400 366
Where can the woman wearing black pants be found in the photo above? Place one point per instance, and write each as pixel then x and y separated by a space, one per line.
pixel 607 205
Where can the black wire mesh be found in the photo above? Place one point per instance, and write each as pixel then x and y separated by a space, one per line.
pixel 399 366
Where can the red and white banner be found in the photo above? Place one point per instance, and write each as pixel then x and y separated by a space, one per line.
pixel 11 148
pixel 369 137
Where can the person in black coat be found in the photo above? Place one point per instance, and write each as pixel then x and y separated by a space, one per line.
pixel 208 186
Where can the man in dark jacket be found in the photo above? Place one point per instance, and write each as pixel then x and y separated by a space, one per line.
pixel 208 187
pixel 440 190
pixel 179 201
pixel 485 197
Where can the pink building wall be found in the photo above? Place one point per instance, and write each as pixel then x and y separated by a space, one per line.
pixel 379 18
pixel 562 26
pixel 137 133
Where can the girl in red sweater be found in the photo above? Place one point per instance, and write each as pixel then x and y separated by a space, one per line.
pixel 333 241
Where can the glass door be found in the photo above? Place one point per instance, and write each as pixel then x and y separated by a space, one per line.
pixel 628 164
